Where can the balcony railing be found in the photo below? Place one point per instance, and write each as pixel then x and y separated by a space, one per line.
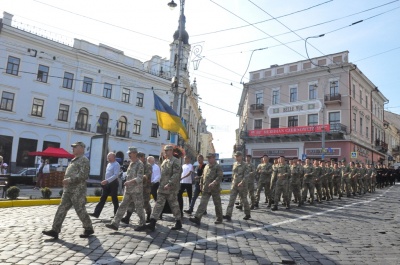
pixel 338 127
pixel 332 98
pixel 256 108
pixel 103 129
pixel 122 133
pixel 381 146
pixel 82 126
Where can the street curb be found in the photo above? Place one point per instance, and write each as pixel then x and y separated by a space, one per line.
pixel 40 202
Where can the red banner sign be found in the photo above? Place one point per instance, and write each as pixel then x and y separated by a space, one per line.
pixel 290 130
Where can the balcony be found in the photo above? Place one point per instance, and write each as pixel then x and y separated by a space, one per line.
pixel 257 108
pixel 103 129
pixel 82 126
pixel 396 150
pixel 122 133
pixel 338 127
pixel 381 146
pixel 333 98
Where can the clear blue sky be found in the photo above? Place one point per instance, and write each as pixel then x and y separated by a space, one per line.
pixel 144 28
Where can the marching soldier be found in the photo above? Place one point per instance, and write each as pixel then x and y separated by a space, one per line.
pixel 318 172
pixel 282 172
pixel 273 181
pixel 250 184
pixel 324 180
pixel 240 174
pixel 296 171
pixel 74 193
pixel 210 185
pixel 264 171
pixel 360 180
pixel 168 190
pixel 354 175
pixel 337 176
pixel 308 181
pixel 329 167
pixel 133 192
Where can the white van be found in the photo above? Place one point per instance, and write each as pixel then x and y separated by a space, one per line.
pixel 227 165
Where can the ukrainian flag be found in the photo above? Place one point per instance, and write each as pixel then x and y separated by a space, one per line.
pixel 168 119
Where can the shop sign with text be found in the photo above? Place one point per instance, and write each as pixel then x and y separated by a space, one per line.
pixel 290 130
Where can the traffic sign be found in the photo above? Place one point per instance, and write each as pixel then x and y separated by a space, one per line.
pixel 353 155
pixel 303 157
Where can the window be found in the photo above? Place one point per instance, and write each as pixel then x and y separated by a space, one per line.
pixel 7 101
pixel 312 91
pixel 257 124
pixel 154 130
pixel 63 112
pixel 361 97
pixel 355 122
pixel 334 88
pixel 259 98
pixel 366 101
pixel 121 125
pixel 12 65
pixel 293 121
pixel 275 97
pixel 102 123
pixel 334 118
pixel 68 80
pixel 107 90
pixel 126 94
pixel 137 124
pixel 82 121
pixel 139 99
pixel 293 94
pixel 274 123
pixel 43 73
pixel 354 91
pixel 366 132
pixel 37 107
pixel 87 85
pixel 361 125
pixel 312 119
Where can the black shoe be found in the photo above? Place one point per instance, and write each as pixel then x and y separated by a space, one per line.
pixel 195 220
pixel 218 221
pixel 299 205
pixel 227 217
pixel 86 233
pixel 152 225
pixel 112 217
pixel 51 233
pixel 148 219
pixel 237 203
pixel 140 228
pixel 266 202
pixel 252 207
pixel 111 226
pixel 287 207
pixel 240 207
pixel 247 217
pixel 177 226
pixel 256 205
pixel 125 220
pixel 205 213
pixel 275 208
pixel 188 211
pixel 94 215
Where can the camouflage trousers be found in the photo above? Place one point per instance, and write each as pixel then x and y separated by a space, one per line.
pixel 325 188
pixel 172 199
pixel 347 185
pixel 250 192
pixel 318 189
pixel 354 182
pixel 146 203
pixel 367 184
pixel 360 185
pixel 272 187
pixel 295 188
pixel 67 201
pixel 266 185
pixel 205 197
pixel 337 186
pixel 330 188
pixel 282 188
pixel 242 192
pixel 137 199
pixel 308 187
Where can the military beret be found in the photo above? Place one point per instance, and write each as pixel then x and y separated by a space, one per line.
pixel 78 144
pixel 210 155
pixel 238 153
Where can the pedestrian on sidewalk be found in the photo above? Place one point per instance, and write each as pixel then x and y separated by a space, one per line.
pixel 74 193
pixel 133 192
pixel 109 185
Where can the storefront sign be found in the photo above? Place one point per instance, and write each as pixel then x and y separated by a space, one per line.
pixel 312 152
pixel 362 152
pixel 290 130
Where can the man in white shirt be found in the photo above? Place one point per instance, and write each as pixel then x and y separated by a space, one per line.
pixel 186 182
pixel 155 177
pixel 109 185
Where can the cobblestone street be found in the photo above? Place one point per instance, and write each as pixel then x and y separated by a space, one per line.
pixel 360 230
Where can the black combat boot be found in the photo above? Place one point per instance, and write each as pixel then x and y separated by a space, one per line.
pixel 240 207
pixel 127 217
pixel 148 219
pixel 275 208
pixel 152 225
pixel 177 226
pixel 195 220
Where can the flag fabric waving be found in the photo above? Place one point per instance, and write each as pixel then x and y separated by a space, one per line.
pixel 168 119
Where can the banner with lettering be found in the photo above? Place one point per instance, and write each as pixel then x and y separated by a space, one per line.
pixel 290 130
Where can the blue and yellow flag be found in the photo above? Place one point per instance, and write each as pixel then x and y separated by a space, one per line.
pixel 168 119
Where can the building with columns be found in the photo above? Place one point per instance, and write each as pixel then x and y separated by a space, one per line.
pixel 322 108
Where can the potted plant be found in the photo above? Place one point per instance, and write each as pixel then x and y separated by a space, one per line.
pixel 13 192
pixel 46 193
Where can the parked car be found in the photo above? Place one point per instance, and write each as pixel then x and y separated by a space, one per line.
pixel 25 176
pixel 227 172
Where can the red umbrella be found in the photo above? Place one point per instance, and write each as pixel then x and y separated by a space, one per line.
pixel 53 152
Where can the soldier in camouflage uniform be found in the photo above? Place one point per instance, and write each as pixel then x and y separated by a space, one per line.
pixel 74 193
pixel 319 171
pixel 354 173
pixel 168 190
pixel 264 171
pixel 250 184
pixel 373 178
pixel 273 181
pixel 240 174
pixel 329 167
pixel 210 186
pixel 308 181
pixel 361 179
pixel 282 172
pixel 148 171
pixel 133 192
pixel 296 170
pixel 337 176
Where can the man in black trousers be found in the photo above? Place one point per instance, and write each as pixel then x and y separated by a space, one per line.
pixel 109 185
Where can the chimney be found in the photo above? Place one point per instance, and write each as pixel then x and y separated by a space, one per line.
pixel 7 18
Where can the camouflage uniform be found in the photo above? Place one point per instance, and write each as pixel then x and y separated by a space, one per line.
pixel 354 172
pixel 346 171
pixel 148 171
pixel 240 172
pixel 74 194
pixel 373 179
pixel 361 186
pixel 318 173
pixel 337 176
pixel 211 174
pixel 273 182
pixel 170 174
pixel 282 172
pixel 308 182
pixel 264 181
pixel 330 182
pixel 295 182
pixel 132 193
pixel 250 183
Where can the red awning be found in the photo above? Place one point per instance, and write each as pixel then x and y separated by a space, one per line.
pixel 52 152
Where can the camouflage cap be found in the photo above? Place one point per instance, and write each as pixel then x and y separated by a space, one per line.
pixel 141 154
pixel 210 155
pixel 238 153
pixel 78 144
pixel 132 149
pixel 168 147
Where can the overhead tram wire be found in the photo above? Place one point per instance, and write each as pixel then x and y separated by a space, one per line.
pixel 259 22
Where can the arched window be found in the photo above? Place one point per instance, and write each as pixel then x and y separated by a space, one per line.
pixel 122 123
pixel 82 121
pixel 102 123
